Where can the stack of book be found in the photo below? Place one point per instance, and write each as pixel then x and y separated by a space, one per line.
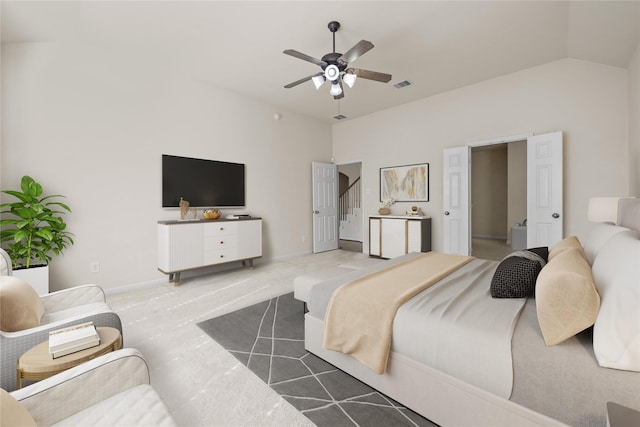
pixel 72 339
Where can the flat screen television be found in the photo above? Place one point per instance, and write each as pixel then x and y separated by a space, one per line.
pixel 203 183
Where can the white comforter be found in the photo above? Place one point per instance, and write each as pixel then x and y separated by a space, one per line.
pixel 456 327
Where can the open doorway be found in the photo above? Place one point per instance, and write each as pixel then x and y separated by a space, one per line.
pixel 351 235
pixel 498 199
pixel 543 193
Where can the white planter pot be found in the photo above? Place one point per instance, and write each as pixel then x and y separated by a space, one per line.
pixel 37 277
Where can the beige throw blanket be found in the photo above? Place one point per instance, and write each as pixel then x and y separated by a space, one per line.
pixel 359 318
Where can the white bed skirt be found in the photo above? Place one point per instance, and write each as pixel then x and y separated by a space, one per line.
pixel 439 397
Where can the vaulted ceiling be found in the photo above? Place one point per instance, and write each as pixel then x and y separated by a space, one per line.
pixel 237 45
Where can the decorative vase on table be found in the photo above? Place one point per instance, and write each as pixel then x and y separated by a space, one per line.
pixel 414 211
pixel 184 208
pixel 386 204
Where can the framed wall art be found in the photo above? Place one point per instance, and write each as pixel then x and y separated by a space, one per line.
pixel 409 183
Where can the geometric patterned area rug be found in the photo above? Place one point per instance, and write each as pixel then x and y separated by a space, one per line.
pixel 268 338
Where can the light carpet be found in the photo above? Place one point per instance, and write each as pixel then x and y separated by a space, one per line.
pixel 201 383
pixel 268 338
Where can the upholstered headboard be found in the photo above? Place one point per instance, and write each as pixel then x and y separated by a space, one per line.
pixel 5 263
pixel 629 213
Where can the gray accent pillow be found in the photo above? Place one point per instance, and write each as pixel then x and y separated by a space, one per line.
pixel 515 276
pixel 543 251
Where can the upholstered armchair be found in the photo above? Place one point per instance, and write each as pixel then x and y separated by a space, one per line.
pixel 53 311
pixel 110 390
pixel 5 263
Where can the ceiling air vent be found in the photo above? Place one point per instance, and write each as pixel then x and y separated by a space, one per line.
pixel 402 84
pixel 340 117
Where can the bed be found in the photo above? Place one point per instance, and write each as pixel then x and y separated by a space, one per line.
pixel 567 382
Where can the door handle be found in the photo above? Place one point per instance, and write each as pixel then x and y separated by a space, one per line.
pixel 446 212
pixel 316 212
pixel 556 215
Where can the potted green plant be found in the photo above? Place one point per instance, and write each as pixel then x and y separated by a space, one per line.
pixel 32 228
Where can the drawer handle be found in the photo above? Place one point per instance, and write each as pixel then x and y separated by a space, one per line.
pixel 221 228
pixel 221 256
pixel 221 242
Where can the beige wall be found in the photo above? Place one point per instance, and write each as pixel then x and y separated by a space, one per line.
pixel 634 124
pixel 489 191
pixel 92 125
pixel 517 183
pixel 587 101
pixel 352 170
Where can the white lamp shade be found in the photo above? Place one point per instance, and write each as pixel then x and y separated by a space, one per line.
pixel 318 81
pixel 331 72
pixel 603 209
pixel 349 79
pixel 335 89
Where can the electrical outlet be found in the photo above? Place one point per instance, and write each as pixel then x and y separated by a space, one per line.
pixel 94 267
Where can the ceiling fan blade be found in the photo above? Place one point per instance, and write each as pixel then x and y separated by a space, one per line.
pixel 360 48
pixel 302 80
pixel 304 57
pixel 372 75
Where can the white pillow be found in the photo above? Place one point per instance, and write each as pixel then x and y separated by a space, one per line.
pixel 597 238
pixel 629 213
pixel 616 272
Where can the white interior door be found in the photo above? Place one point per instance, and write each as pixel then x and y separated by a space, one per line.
pixel 457 236
pixel 325 206
pixel 544 189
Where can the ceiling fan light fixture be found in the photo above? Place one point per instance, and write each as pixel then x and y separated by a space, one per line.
pixel 349 79
pixel 332 72
pixel 335 89
pixel 318 81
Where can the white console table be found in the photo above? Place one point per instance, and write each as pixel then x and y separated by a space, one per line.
pixel 392 236
pixel 186 245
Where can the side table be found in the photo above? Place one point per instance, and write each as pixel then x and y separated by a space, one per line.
pixel 37 364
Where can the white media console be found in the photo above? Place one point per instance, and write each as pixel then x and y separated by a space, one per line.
pixel 186 245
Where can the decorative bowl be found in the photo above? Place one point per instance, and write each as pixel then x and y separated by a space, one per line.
pixel 211 215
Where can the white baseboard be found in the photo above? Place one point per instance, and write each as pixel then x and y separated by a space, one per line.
pixel 488 236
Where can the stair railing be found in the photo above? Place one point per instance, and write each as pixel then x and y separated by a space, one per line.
pixel 349 200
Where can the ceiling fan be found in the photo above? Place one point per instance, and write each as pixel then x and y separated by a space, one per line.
pixel 335 66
